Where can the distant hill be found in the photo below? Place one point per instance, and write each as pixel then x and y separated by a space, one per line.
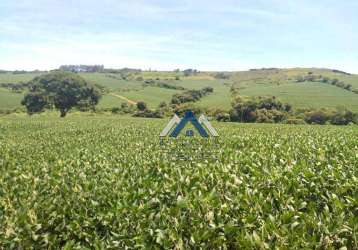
pixel 301 87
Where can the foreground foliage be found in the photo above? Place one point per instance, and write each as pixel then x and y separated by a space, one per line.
pixel 103 182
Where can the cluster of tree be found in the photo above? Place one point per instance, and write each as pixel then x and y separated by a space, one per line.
pixel 125 108
pixel 190 72
pixel 62 91
pixel 144 111
pixel 164 85
pixel 15 87
pixel 327 116
pixel 82 68
pixel 319 78
pixel 264 69
pixel 258 109
pixel 191 95
pixel 340 72
pixel 22 86
pixel 117 77
pixel 222 75
pixel 123 71
pixel 123 74
pixel 271 110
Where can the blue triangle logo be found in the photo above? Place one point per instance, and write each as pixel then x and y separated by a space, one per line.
pixel 189 117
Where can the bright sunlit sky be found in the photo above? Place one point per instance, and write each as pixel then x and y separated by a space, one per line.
pixel 165 34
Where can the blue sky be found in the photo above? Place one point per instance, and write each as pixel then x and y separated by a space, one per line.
pixel 165 34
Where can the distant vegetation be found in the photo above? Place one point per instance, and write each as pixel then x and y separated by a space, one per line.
pixel 164 85
pixel 15 87
pixel 271 110
pixel 308 91
pixel 222 75
pixel 323 79
pixel 341 72
pixel 260 109
pixel 191 95
pixel 82 68
pixel 190 72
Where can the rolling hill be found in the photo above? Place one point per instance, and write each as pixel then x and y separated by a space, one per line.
pixel 281 83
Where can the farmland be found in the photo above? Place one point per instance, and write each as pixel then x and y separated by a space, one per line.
pixel 109 182
pixel 278 82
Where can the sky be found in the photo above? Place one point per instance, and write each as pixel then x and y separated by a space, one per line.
pixel 166 35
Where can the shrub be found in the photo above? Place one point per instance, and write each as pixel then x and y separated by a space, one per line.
pixel 222 117
pixel 115 110
pixel 222 75
pixel 269 116
pixel 141 106
pixel 191 95
pixel 149 113
pixel 342 117
pixel 317 117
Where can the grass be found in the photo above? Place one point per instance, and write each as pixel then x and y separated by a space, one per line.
pixel 100 182
pixel 113 84
pixel 151 95
pixel 9 100
pixel 109 101
pixel 14 78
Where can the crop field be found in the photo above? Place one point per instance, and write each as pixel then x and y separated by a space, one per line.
pixel 282 84
pixel 109 182
pixel 306 95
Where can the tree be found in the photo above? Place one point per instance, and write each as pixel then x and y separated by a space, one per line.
pixel 259 109
pixel 162 105
pixel 62 90
pixel 141 106
pixel 317 117
pixel 208 90
pixel 189 72
pixel 124 105
pixel 342 117
pixel 34 102
pixel 222 75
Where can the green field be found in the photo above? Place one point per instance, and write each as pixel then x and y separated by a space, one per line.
pixel 278 82
pixel 107 182
pixel 9 100
pixel 151 95
pixel 306 95
pixel 14 78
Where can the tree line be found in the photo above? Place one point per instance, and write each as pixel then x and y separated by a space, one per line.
pixel 190 95
pixel 272 110
pixel 323 79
